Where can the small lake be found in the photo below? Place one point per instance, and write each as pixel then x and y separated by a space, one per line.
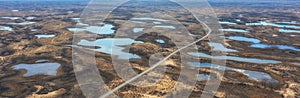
pixel 289 31
pixel 48 68
pixel 22 23
pixel 11 18
pixel 234 30
pixel 15 10
pixel 290 23
pixel 44 36
pixel 136 30
pixel 157 22
pixel 202 77
pixel 257 43
pixel 167 27
pixel 244 39
pixel 252 75
pixel 263 23
pixel 112 46
pixel 281 47
pixel 106 29
pixel 220 47
pixel 5 28
pixel 234 58
pixel 160 41
pixel 227 22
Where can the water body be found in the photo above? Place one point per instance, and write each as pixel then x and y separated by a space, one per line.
pixel 281 47
pixel 233 58
pixel 245 39
pixel 11 18
pixel 15 10
pixel 290 23
pixel 22 23
pixel 112 46
pixel 157 22
pixel 136 30
pixel 234 30
pixel 30 18
pixel 44 36
pixel 38 68
pixel 202 77
pixel 289 31
pixel 160 41
pixel 41 61
pixel 220 47
pixel 257 43
pixel 252 75
pixel 298 64
pixel 263 23
pixel 227 22
pixel 167 27
pixel 106 29
pixel 5 28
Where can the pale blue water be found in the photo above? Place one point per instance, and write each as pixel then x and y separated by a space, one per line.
pixel 263 23
pixel 281 47
pixel 233 58
pixel 11 18
pixel 106 29
pixel 112 46
pixel 234 30
pixel 202 77
pixel 2 28
pixel 22 23
pixel 157 22
pixel 289 31
pixel 160 41
pixel 291 23
pixel 167 27
pixel 245 39
pixel 227 22
pixel 220 47
pixel 135 30
pixel 238 20
pixel 40 61
pixel 44 36
pixel 260 46
pixel 252 75
pixel 38 69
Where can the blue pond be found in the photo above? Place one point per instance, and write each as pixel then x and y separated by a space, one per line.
pixel 3 28
pixel 234 30
pixel 263 23
pixel 38 68
pixel 22 23
pixel 160 41
pixel 106 29
pixel 167 27
pixel 227 22
pixel 281 47
pixel 202 77
pixel 233 58
pixel 135 30
pixel 44 36
pixel 220 47
pixel 257 43
pixel 289 31
pixel 245 39
pixel 112 46
pixel 252 75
